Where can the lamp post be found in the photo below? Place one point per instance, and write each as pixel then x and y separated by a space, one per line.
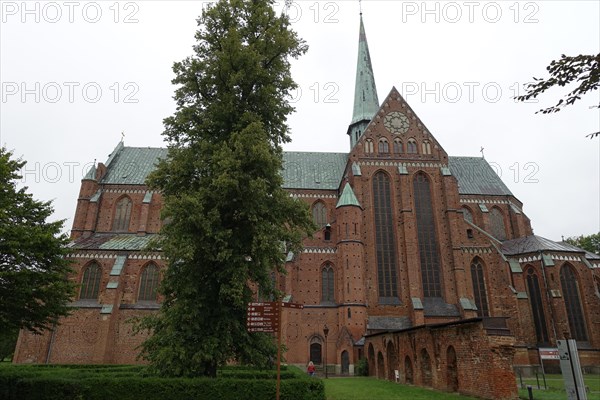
pixel 326 332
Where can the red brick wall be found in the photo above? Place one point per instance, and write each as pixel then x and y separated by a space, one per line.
pixel 483 363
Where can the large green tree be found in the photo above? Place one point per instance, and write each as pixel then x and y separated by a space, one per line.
pixel 590 243
pixel 582 71
pixel 230 222
pixel 34 285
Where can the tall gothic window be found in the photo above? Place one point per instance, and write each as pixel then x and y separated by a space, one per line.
pixel 497 228
pixel 398 146
pixel 384 147
pixel 570 288
pixel 319 212
pixel 90 284
pixel 148 283
pixel 479 288
pixel 428 250
pixel 537 309
pixel 368 146
pixel 327 284
pixel 411 146
pixel 467 214
pixel 385 243
pixel 122 215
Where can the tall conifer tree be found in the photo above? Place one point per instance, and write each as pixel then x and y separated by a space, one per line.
pixel 230 222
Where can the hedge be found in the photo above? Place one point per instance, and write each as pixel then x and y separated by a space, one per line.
pixel 132 383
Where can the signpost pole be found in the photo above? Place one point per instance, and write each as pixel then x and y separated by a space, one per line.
pixel 543 372
pixel 278 348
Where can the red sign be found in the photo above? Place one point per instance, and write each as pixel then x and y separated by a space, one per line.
pixel 549 354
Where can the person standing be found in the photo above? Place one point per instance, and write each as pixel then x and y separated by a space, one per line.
pixel 311 369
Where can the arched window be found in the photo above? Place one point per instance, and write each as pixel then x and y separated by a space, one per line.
pixel 368 146
pixel 384 147
pixel 385 242
pixel 537 309
pixel 398 148
pixel 497 228
pixel 411 146
pixel 570 288
pixel 327 284
pixel 426 147
pixel 122 214
pixel 479 288
pixel 90 283
pixel 468 216
pixel 319 212
pixel 428 247
pixel 148 283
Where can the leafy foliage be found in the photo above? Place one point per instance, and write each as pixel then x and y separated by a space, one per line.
pixel 222 186
pixel 34 289
pixel 584 70
pixel 102 382
pixel 589 243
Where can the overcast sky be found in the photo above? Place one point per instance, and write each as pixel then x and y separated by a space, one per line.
pixel 76 74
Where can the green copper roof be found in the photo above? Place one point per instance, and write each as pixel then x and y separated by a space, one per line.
pixel 113 241
pixel 366 103
pixel 131 165
pixel 305 170
pixel 475 176
pixel 348 198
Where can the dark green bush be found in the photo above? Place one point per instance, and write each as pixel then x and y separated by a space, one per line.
pixel 362 369
pixel 132 383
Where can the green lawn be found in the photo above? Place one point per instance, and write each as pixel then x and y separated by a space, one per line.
pixel 556 387
pixel 362 388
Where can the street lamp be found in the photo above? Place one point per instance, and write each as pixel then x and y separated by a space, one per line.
pixel 326 332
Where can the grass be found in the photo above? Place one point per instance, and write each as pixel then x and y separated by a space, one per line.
pixel 362 388
pixel 556 387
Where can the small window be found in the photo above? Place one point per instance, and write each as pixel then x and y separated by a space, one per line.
pixel 426 147
pixel 328 232
pixel 122 215
pixel 467 215
pixel 470 233
pixel 369 146
pixel 398 148
pixel 412 146
pixel 349 313
pixel 319 212
pixel 90 283
pixel 384 147
pixel 149 283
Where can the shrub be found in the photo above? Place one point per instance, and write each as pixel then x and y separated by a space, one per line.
pixel 362 369
pixel 133 383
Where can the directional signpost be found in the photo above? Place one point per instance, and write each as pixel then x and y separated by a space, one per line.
pixel 266 317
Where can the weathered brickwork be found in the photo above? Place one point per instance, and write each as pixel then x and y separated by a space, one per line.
pixel 458 357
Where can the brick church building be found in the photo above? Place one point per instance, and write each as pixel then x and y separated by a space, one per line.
pixel 424 263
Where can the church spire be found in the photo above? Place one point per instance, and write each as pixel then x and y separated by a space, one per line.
pixel 366 103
